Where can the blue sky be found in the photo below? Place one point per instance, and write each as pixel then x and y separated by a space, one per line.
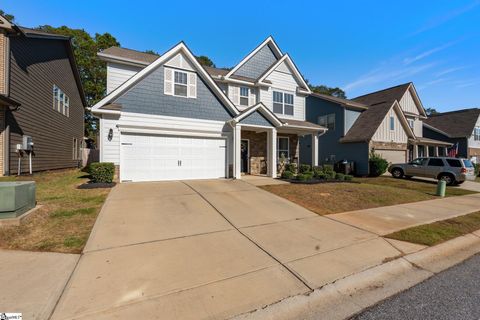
pixel 361 46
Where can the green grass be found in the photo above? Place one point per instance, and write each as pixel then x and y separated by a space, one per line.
pixel 64 221
pixel 438 232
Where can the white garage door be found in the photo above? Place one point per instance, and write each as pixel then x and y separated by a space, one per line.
pixel 155 158
pixel 393 156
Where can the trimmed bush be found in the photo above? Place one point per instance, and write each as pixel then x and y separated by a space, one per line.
pixel 304 176
pixel 339 176
pixel 102 172
pixel 328 168
pixel 377 164
pixel 287 175
pixel 348 177
pixel 304 168
pixel 291 167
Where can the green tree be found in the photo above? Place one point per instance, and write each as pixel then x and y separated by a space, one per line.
pixel 93 72
pixel 430 111
pixel 9 17
pixel 335 92
pixel 149 51
pixel 205 61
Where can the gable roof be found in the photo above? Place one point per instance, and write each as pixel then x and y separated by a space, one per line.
pixel 127 55
pixel 369 120
pixel 455 124
pixel 384 95
pixel 267 42
pixel 181 47
pixel 341 101
pixel 286 59
pixel 274 120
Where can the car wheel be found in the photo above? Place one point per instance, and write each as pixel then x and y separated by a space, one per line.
pixel 449 179
pixel 397 173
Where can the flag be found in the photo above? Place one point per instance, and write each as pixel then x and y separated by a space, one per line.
pixel 453 150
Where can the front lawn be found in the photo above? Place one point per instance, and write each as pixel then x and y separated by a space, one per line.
pixel 440 231
pixel 328 198
pixel 64 221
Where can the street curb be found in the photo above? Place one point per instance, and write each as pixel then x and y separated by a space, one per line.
pixel 348 296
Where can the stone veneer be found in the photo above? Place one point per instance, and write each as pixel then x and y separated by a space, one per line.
pixel 474 152
pixel 258 149
pixel 387 145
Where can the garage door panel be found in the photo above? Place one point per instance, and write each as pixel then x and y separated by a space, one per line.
pixel 154 158
pixel 393 156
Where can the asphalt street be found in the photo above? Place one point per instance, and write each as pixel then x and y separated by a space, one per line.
pixel 452 294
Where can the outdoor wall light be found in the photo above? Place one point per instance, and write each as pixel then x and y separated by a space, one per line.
pixel 110 134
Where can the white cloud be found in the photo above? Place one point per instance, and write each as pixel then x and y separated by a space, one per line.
pixel 449 70
pixel 425 54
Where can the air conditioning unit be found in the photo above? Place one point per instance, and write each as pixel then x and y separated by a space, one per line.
pixel 27 143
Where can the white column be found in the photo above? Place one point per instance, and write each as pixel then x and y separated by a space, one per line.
pixel 272 152
pixel 427 150
pixel 436 152
pixel 237 138
pixel 415 151
pixel 315 149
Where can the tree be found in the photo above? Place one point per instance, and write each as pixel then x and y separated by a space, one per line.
pixel 9 17
pixel 430 111
pixel 205 61
pixel 93 72
pixel 149 51
pixel 335 92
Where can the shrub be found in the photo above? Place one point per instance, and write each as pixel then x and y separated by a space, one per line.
pixel 304 168
pixel 304 176
pixel 291 167
pixel 377 164
pixel 321 175
pixel 328 168
pixel 287 175
pixel 477 169
pixel 102 172
pixel 339 176
pixel 348 177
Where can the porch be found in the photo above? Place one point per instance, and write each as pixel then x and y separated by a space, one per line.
pixel 425 147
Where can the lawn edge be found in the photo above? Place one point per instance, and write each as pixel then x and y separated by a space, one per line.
pixel 351 295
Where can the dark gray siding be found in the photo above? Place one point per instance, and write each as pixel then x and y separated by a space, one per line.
pixel 462 142
pixel 256 118
pixel 147 97
pixel 36 65
pixel 329 145
pixel 257 64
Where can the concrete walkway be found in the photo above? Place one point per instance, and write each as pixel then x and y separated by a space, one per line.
pixel 385 220
pixel 208 250
pixel 31 282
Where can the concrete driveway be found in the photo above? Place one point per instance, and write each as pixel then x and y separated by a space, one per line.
pixel 208 249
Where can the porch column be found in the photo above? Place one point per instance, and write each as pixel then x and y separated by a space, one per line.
pixel 237 138
pixel 272 153
pixel 315 149
pixel 427 150
pixel 415 151
pixel 436 151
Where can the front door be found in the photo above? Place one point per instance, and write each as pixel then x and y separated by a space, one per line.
pixel 244 147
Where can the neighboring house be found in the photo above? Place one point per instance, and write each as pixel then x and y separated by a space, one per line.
pixel 41 101
pixel 167 117
pixel 388 122
pixel 460 127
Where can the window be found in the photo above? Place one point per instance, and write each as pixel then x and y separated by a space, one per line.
pixel 327 121
pixel 76 149
pixel 411 123
pixel 180 84
pixel 282 147
pixel 392 123
pixel 244 96
pixel 61 102
pixel 283 103
pixel 436 162
pixel 476 134
pixel 468 163
pixel 419 161
pixel 454 163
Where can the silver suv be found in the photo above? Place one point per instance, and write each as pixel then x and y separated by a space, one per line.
pixel 451 170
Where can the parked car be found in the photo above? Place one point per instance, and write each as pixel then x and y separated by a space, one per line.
pixel 451 170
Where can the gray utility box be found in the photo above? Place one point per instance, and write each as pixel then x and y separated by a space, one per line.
pixel 16 198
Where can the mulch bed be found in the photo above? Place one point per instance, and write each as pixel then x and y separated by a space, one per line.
pixel 94 185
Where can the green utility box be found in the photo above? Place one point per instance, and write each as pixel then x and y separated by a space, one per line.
pixel 16 198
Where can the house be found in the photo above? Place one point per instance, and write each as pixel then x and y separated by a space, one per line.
pixel 41 101
pixel 388 122
pixel 167 117
pixel 461 128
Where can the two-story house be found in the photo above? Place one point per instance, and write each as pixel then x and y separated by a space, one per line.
pixel 461 128
pixel 167 117
pixel 388 122
pixel 41 101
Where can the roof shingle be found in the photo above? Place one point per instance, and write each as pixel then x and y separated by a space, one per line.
pixel 457 124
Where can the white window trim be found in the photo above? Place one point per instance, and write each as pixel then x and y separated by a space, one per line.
pixel 243 96
pixel 180 84
pixel 283 92
pixel 476 134
pixel 288 147
pixel 171 83
pixel 61 106
pixel 391 123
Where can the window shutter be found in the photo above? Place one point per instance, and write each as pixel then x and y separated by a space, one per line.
pixel 252 97
pixel 235 94
pixel 192 85
pixel 168 81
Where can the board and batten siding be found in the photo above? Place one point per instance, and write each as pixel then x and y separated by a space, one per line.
pixel 471 141
pixel 407 103
pixel 35 66
pixel 3 63
pixel 119 73
pixel 384 133
pixel 285 82
pixel 110 149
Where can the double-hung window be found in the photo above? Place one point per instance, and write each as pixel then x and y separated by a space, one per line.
pixel 180 84
pixel 327 121
pixel 392 123
pixel 244 94
pixel 283 103
pixel 411 123
pixel 283 147
pixel 476 135
pixel 61 102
